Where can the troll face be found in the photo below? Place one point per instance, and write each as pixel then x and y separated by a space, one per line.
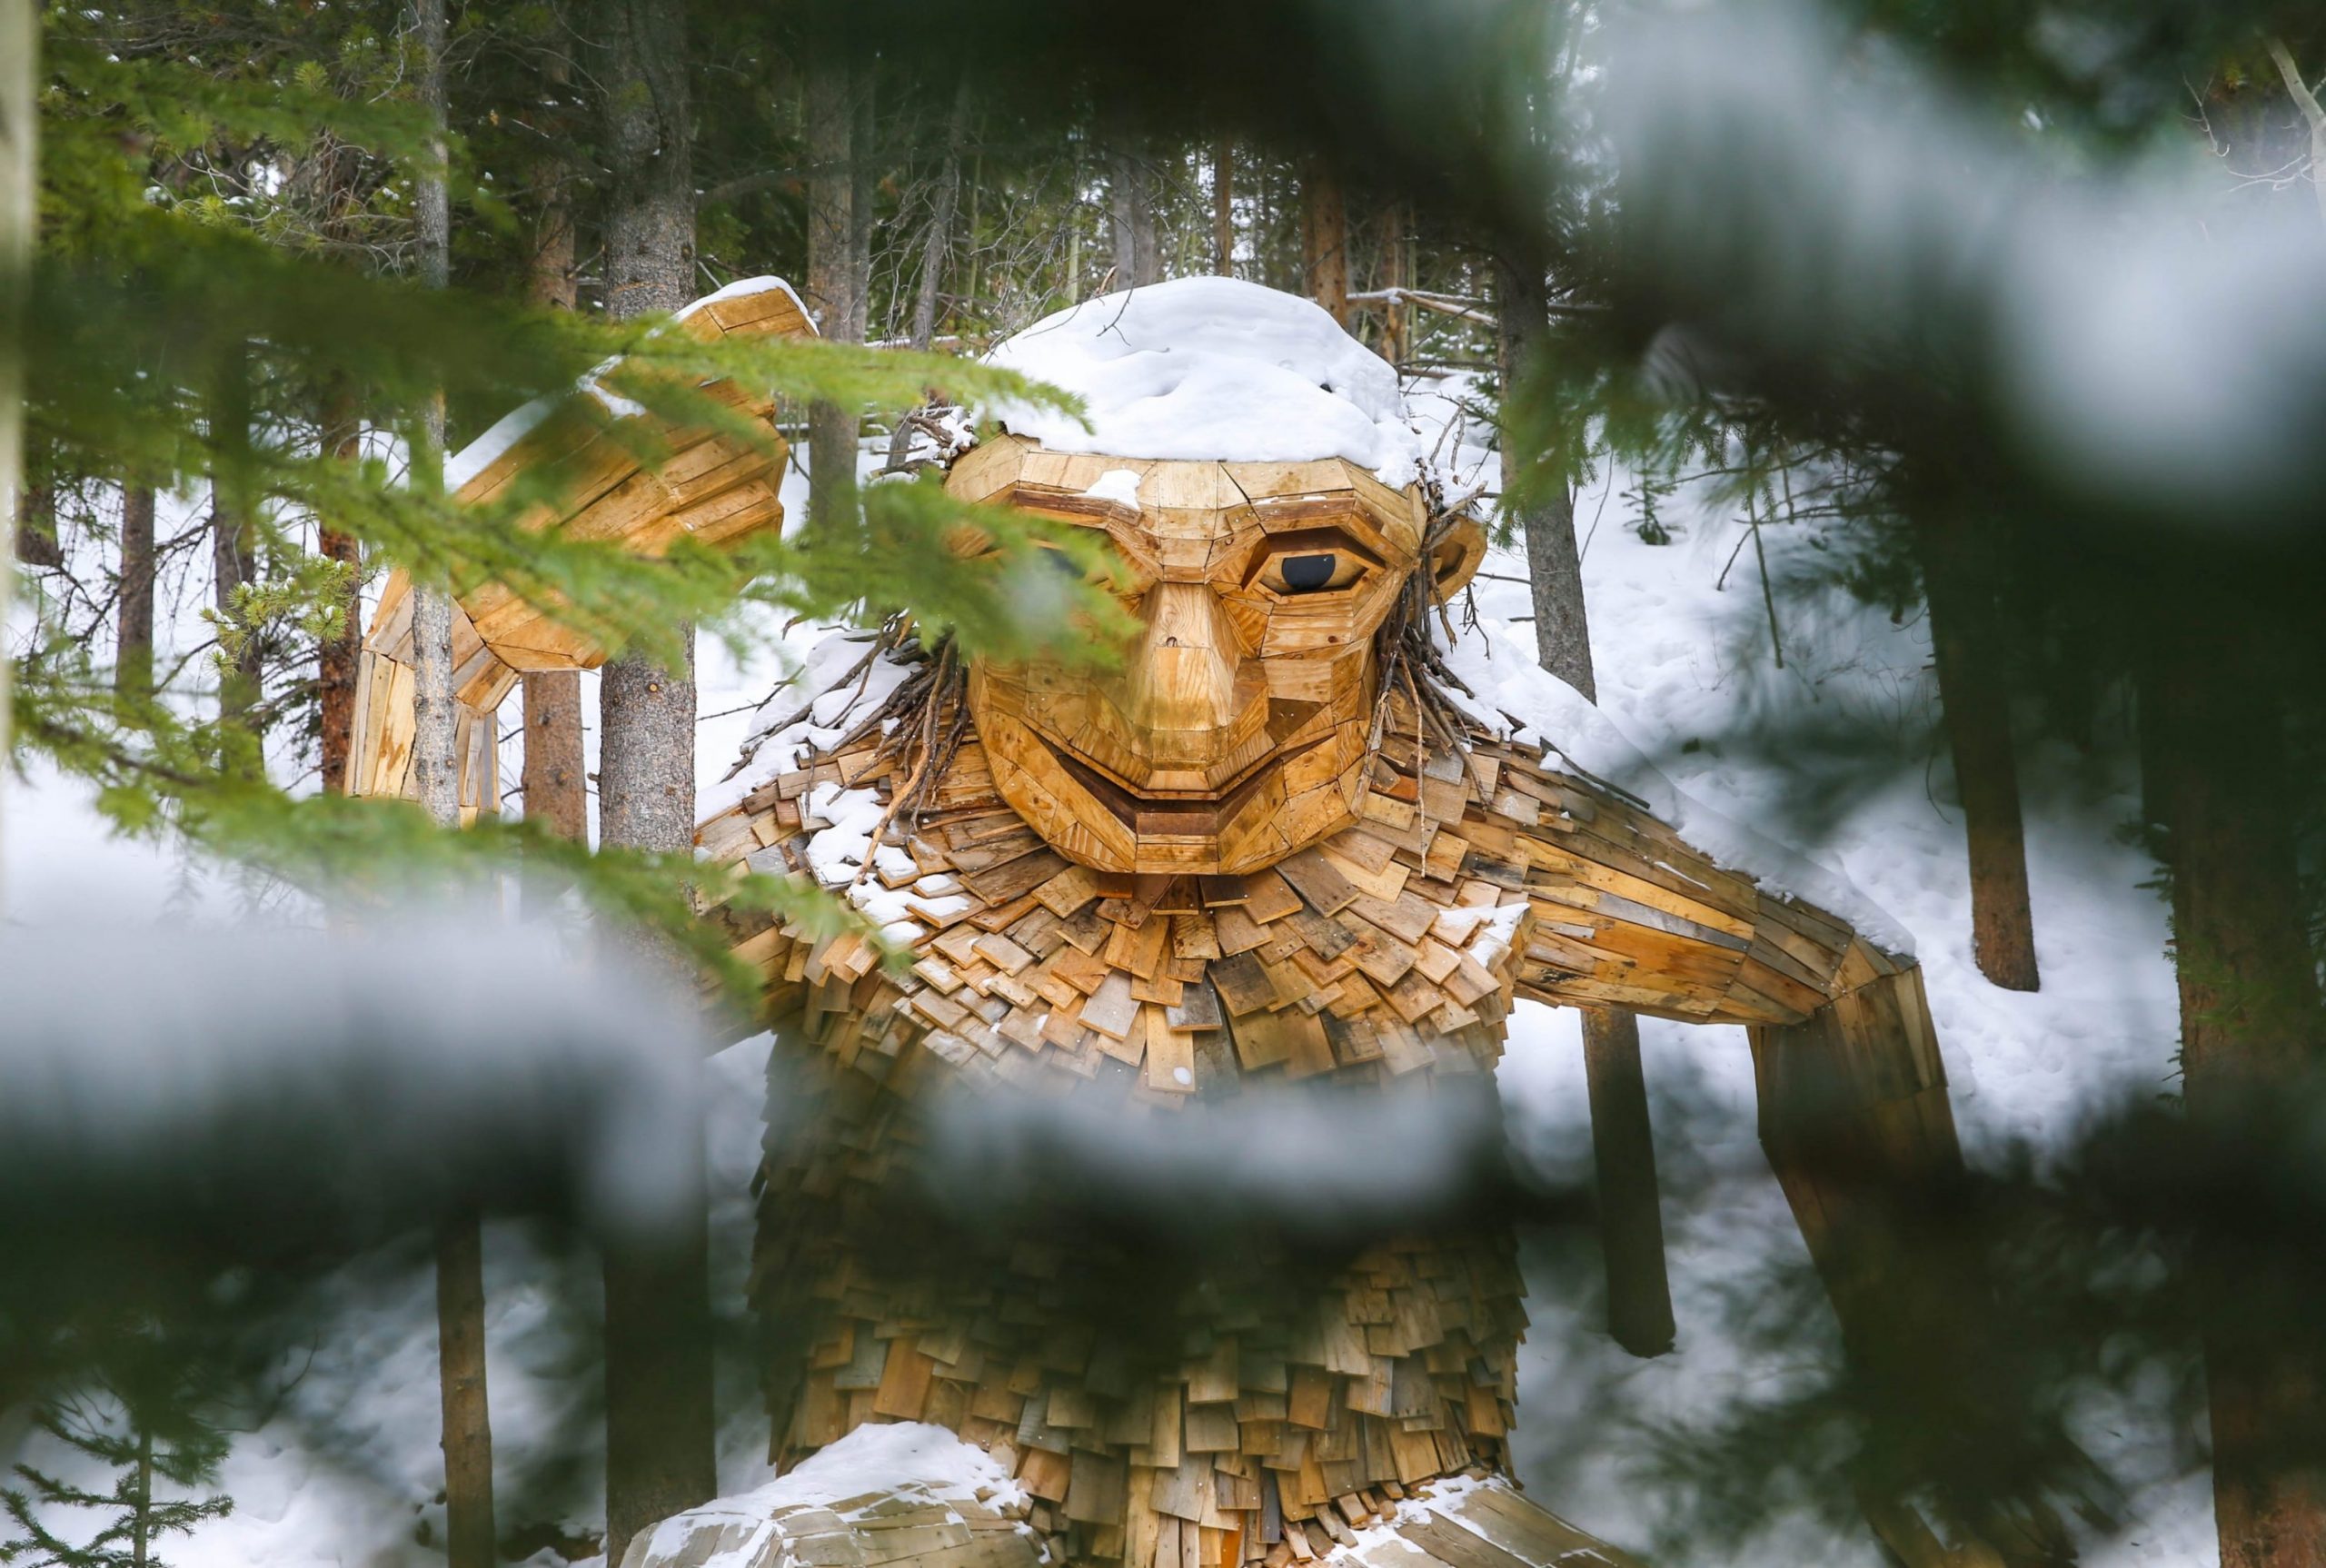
pixel 1234 730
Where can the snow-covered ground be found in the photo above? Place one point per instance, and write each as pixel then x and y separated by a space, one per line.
pixel 1685 670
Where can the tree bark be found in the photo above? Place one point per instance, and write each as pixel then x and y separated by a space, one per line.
pixel 37 542
pixel 661 1455
pixel 1130 221
pixel 1622 1145
pixel 1324 234
pixel 1223 207
pixel 937 242
pixel 133 666
pixel 19 126
pixel 1966 636
pixel 660 1430
pixel 460 1371
pixel 831 282
pixel 555 782
pixel 337 655
pixel 2250 1034
pixel 141 1539
pixel 467 1429
pixel 1394 317
pixel 861 143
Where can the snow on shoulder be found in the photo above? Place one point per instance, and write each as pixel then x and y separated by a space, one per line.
pixel 1212 368
pixel 875 1471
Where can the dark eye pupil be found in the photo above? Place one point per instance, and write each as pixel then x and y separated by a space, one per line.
pixel 1308 573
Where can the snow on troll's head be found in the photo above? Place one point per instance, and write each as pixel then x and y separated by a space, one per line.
pixel 1254 469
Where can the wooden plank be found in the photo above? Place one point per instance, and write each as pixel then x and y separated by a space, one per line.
pixel 1326 890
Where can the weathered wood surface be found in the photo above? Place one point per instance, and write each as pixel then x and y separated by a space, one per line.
pixel 1237 731
pixel 1389 953
pixel 709 486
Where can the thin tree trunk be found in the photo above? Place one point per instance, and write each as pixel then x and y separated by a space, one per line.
pixel 19 124
pixel 1394 317
pixel 937 242
pixel 1146 252
pixel 1223 207
pixel 435 763
pixel 1965 638
pixel 831 279
pixel 1622 1145
pixel 460 1372
pixel 141 1533
pixel 549 280
pixel 37 542
pixel 555 782
pixel 337 655
pixel 1123 199
pixel 2250 1033
pixel 1324 235
pixel 935 245
pixel 132 668
pixel 661 1453
pixel 861 145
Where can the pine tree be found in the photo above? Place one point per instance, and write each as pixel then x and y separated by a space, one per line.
pixel 149 1428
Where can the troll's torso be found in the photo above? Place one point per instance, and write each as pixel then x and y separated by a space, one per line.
pixel 1209 1381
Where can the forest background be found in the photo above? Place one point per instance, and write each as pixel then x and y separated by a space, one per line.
pixel 2015 307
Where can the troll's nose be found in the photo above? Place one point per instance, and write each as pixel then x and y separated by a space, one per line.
pixel 1180 683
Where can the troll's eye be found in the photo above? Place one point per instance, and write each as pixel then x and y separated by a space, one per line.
pixel 1309 573
pixel 1297 572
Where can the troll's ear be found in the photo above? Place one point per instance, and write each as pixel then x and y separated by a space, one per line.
pixel 1456 556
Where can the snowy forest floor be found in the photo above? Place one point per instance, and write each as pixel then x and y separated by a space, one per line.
pixel 1686 670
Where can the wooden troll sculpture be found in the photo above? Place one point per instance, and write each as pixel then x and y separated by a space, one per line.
pixel 1276 848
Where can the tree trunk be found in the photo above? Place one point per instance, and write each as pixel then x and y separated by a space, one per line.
pixel 549 280
pixel 937 242
pixel 861 144
pixel 832 283
pixel 141 1531
pixel 1123 199
pixel 1394 317
pixel 1324 240
pixel 660 1432
pixel 1223 207
pixel 556 776
pixel 132 668
pixel 19 125
pixel 1623 1145
pixel 37 542
pixel 435 760
pixel 555 784
pixel 336 655
pixel 460 1372
pixel 467 1431
pixel 661 1453
pixel 1965 636
pixel 2250 1033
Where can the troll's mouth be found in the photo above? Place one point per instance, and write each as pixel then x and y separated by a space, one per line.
pixel 1177 815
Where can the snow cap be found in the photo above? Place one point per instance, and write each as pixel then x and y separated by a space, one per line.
pixel 1212 368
